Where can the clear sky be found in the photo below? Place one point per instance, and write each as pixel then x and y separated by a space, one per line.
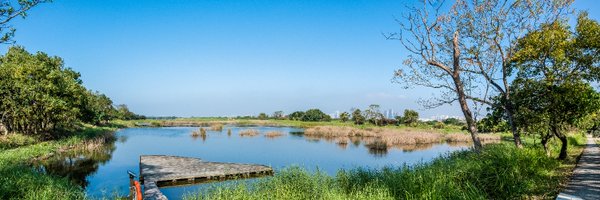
pixel 228 58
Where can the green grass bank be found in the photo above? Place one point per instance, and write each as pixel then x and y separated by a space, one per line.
pixel 500 171
pixel 19 180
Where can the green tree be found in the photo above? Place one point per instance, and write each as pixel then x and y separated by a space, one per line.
pixel 39 95
pixel 357 117
pixel 98 109
pixel 344 116
pixel 315 115
pixel 453 121
pixel 553 64
pixel 124 113
pixel 262 116
pixel 373 115
pixel 296 115
pixel 278 115
pixel 410 118
pixel 465 49
pixel 10 10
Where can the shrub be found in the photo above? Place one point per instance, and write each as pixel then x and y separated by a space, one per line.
pixel 357 117
pixel 439 125
pixel 315 115
pixel 296 115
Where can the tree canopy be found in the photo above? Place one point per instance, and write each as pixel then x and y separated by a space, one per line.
pixel 40 96
pixel 554 66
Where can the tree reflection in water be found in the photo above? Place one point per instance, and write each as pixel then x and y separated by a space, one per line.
pixel 78 163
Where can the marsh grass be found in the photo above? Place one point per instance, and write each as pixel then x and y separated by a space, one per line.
pixel 249 133
pixel 499 171
pixel 228 132
pixel 377 145
pixel 485 138
pixel 18 180
pixel 342 140
pixel 14 140
pixel 273 134
pixel 208 121
pixel 216 127
pixel 393 137
pixel 200 132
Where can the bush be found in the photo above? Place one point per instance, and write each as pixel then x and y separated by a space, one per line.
pixel 296 115
pixel 410 118
pixel 16 140
pixel 439 125
pixel 315 115
pixel 453 121
pixel 357 117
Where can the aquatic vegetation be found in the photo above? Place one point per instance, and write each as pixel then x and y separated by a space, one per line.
pixel 228 132
pixel 485 138
pixel 199 133
pixel 249 133
pixel 273 134
pixel 393 137
pixel 216 127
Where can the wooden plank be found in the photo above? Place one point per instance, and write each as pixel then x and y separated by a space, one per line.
pixel 161 170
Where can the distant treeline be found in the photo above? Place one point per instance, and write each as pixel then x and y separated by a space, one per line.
pixel 40 96
pixel 371 115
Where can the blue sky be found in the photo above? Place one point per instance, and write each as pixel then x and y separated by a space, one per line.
pixel 227 58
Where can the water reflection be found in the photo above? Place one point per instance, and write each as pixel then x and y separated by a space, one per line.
pixel 375 146
pixel 77 164
pixel 102 169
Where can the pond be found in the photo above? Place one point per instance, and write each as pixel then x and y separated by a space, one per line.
pixel 104 172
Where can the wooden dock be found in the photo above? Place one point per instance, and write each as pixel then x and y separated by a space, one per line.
pixel 161 170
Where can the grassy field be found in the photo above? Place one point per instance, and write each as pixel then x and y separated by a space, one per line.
pixel 500 171
pixel 18 180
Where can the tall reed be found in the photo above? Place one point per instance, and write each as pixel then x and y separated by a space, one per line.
pixel 273 134
pixel 216 127
pixel 249 133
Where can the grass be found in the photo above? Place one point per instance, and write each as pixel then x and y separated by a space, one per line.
pixel 201 132
pixel 20 181
pixel 216 127
pixel 209 121
pixel 249 133
pixel 273 134
pixel 393 137
pixel 500 171
pixel 16 140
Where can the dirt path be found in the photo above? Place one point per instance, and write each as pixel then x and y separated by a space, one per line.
pixel 585 182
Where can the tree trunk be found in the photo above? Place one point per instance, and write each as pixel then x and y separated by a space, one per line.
pixel 460 91
pixel 544 142
pixel 513 126
pixel 563 141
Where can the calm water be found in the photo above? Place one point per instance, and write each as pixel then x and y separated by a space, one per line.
pixel 104 172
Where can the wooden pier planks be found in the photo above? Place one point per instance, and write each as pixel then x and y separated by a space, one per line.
pixel 157 170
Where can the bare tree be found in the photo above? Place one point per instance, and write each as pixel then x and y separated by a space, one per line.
pixel 466 50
